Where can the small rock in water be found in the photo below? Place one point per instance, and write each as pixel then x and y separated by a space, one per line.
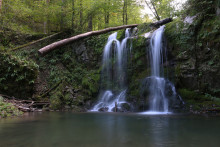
pixel 103 109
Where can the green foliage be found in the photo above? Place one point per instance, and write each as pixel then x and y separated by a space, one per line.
pixel 47 16
pixel 162 9
pixel 207 8
pixel 14 72
pixel 175 33
pixel 144 28
pixel 209 30
pixel 197 100
pixel 8 110
pixel 97 42
pixel 56 100
pixel 91 82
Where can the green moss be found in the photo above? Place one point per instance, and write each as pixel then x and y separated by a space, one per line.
pixel 190 95
pixel 91 82
pixel 198 101
pixel 55 100
pixel 207 8
pixel 97 43
pixel 176 35
pixel 209 30
pixel 8 110
pixel 64 96
pixel 139 43
pixel 144 28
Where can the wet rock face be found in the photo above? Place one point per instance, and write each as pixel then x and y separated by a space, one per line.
pixel 81 52
pixel 196 55
pixel 194 48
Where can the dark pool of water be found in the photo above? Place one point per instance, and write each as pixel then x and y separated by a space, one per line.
pixel 109 130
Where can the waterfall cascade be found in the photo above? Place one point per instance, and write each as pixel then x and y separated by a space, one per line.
pixel 157 89
pixel 160 90
pixel 113 76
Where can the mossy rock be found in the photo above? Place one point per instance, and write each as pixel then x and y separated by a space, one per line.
pixel 64 95
pixel 8 110
pixel 197 101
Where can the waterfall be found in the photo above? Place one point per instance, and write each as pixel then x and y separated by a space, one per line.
pixel 113 76
pixel 158 101
pixel 160 91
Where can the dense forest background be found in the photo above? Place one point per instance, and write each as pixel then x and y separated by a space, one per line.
pixel 47 16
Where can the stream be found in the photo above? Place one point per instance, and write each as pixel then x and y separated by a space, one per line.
pixel 66 129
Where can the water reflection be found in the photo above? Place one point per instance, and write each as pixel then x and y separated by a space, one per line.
pixel 109 130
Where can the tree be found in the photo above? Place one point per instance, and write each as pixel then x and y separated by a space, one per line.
pixel 152 6
pixel 107 9
pixel 161 8
pixel 46 19
pixel 62 15
pixel 125 13
pixel 46 16
pixel 73 14
pixel 81 14
pixel 0 5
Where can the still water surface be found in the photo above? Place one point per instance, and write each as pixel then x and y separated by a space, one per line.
pixel 54 129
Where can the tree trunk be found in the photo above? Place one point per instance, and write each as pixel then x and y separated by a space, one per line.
pixel 161 22
pixel 153 9
pixel 73 14
pixel 107 15
pixel 47 49
pixel 1 5
pixel 45 27
pixel 90 23
pixel 125 13
pixel 62 16
pixel 107 18
pixel 81 15
pixel 37 41
pixel 100 22
pixel 157 16
pixel 1 19
pixel 46 19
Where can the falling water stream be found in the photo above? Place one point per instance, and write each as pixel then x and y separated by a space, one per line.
pixel 113 78
pixel 158 87
pixel 161 92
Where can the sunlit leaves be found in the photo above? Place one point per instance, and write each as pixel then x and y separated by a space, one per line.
pixel 56 14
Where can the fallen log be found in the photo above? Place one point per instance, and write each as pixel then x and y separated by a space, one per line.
pixel 43 51
pixel 36 41
pixel 26 105
pixel 48 48
pixel 161 22
pixel 24 109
